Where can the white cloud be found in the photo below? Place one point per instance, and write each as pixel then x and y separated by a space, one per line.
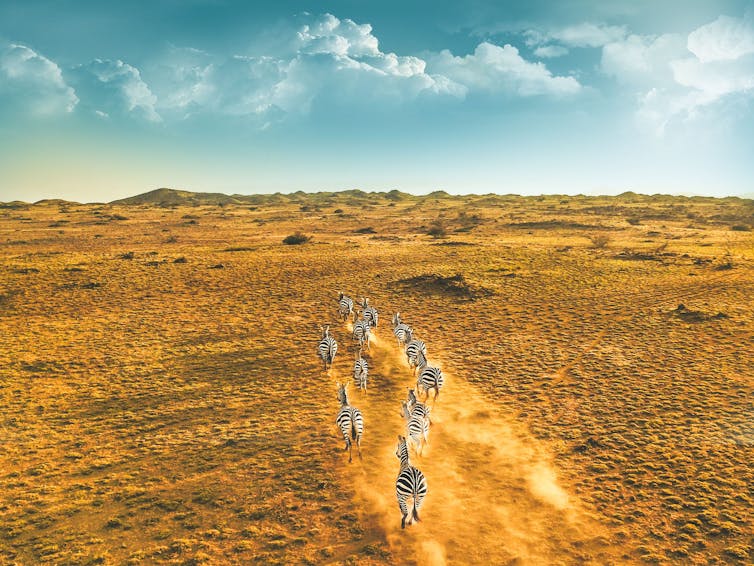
pixel 642 60
pixel 676 77
pixel 496 69
pixel 716 78
pixel 328 34
pixel 722 40
pixel 122 81
pixel 550 51
pixel 326 58
pixel 586 34
pixel 34 82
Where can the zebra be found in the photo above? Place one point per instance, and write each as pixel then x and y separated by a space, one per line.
pixel 360 371
pixel 361 332
pixel 350 422
pixel 429 378
pixel 400 331
pixel 415 350
pixel 369 312
pixel 345 307
pixel 417 408
pixel 410 483
pixel 417 428
pixel 327 347
pixel 396 319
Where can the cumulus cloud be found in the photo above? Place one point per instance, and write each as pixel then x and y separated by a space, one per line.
pixel 725 39
pixel 328 34
pixel 495 69
pixel 31 81
pixel 640 59
pixel 326 58
pixel 113 86
pixel 675 77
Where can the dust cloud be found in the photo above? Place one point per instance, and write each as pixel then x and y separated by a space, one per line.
pixel 493 492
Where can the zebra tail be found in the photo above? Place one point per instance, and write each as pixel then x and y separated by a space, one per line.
pixel 415 513
pixel 353 430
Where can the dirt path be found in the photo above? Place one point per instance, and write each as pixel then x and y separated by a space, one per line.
pixel 494 496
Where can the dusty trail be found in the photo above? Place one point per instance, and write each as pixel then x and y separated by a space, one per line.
pixel 493 496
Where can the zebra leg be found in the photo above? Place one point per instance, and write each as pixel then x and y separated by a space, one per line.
pixel 404 510
pixel 417 503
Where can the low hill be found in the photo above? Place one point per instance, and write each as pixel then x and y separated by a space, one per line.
pixel 169 197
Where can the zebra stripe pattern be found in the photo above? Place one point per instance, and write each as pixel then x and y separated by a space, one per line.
pixel 416 350
pixel 369 313
pixel 401 331
pixel 350 422
pixel 361 332
pixel 430 378
pixel 411 483
pixel 416 408
pixel 360 372
pixel 345 306
pixel 417 428
pixel 327 347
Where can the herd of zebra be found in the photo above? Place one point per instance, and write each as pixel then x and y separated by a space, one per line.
pixel 411 482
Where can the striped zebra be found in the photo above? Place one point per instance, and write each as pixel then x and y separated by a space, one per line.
pixel 362 333
pixel 350 422
pixel 369 312
pixel 327 347
pixel 360 372
pixel 429 378
pixel 417 409
pixel 410 483
pixel 416 350
pixel 345 307
pixel 417 428
pixel 400 329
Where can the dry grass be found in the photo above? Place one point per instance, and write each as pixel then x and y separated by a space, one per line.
pixel 157 410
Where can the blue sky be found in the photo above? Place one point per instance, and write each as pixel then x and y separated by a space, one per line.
pixel 103 100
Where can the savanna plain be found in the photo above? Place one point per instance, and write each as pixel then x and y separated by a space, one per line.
pixel 161 400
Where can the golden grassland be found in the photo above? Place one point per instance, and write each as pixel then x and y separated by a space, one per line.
pixel 162 401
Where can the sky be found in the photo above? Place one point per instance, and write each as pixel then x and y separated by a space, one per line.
pixel 104 100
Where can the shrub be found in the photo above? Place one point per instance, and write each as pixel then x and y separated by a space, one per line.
pixel 633 220
pixel 600 241
pixel 740 228
pixel 297 238
pixel 437 229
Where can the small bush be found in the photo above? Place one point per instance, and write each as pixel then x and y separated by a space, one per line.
pixel 297 238
pixel 437 229
pixel 633 220
pixel 600 241
pixel 740 228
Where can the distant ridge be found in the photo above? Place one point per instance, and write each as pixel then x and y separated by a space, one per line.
pixel 167 197
pixel 176 197
pixel 170 197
